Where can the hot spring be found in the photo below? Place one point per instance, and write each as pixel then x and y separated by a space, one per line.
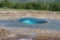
pixel 32 20
pixel 41 23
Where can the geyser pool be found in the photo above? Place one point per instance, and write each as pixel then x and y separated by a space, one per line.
pixel 41 23
pixel 32 20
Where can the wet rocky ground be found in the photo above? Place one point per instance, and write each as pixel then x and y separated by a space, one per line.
pixel 7 33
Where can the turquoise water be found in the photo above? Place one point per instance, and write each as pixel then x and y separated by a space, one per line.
pixel 32 20
pixel 52 24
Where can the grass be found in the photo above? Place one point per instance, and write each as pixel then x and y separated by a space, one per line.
pixel 25 9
